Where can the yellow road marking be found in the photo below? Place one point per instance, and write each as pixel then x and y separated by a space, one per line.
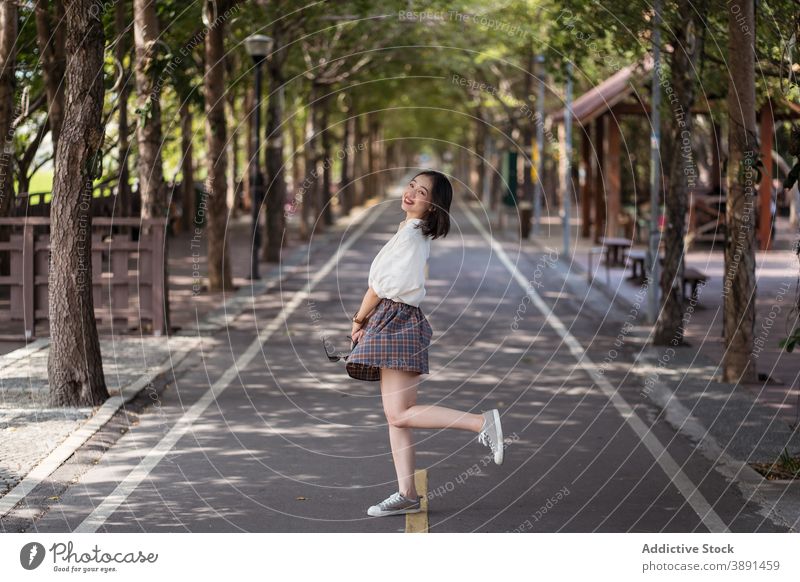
pixel 418 522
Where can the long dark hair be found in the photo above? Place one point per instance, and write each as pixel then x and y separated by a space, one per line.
pixel 436 222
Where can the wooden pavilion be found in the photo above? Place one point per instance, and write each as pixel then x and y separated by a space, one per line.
pixel 596 116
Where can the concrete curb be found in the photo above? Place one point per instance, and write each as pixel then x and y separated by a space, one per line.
pixel 23 352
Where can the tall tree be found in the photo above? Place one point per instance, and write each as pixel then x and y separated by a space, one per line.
pixel 345 190
pixel 187 166
pixel 49 18
pixel 325 69
pixel 8 38
pixel 325 158
pixel 232 64
pixel 152 191
pixel 275 179
pixel 743 151
pixel 688 34
pixel 121 50
pixel 219 271
pixel 148 129
pixel 74 366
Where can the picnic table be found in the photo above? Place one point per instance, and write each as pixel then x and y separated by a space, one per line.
pixel 614 249
pixel 692 278
pixel 637 258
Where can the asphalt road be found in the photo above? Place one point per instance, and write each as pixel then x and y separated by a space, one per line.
pixel 264 434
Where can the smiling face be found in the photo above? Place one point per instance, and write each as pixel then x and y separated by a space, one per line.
pixel 416 199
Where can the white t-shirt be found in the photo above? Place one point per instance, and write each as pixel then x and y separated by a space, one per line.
pixel 398 271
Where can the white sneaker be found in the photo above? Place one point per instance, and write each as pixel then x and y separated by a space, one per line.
pixel 491 434
pixel 395 504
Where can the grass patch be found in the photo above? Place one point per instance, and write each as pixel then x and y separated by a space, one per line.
pixel 42 181
pixel 786 467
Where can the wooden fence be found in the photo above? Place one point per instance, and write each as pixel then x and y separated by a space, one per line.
pixel 127 274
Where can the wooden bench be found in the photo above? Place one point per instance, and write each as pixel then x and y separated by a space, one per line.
pixel 693 277
pixel 637 258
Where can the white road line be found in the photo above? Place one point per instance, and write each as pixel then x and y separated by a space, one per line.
pixel 670 467
pixel 111 503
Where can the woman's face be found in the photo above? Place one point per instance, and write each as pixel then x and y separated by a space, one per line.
pixel 416 198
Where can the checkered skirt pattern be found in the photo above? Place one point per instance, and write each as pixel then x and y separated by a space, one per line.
pixel 396 336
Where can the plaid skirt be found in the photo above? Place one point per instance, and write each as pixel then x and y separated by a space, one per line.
pixel 396 336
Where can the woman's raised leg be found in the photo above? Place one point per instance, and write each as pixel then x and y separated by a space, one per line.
pixel 403 412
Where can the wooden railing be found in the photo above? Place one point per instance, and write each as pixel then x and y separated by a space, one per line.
pixel 127 274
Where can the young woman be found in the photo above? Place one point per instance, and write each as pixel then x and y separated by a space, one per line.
pixel 392 337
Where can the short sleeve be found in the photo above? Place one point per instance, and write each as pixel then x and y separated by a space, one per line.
pixel 401 272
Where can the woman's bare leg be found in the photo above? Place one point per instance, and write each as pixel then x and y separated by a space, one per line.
pixel 405 413
pixel 399 394
pixel 398 397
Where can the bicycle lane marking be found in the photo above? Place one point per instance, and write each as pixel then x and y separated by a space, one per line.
pixel 687 488
pixel 128 485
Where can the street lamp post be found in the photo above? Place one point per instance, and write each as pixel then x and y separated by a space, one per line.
pixel 653 298
pixel 566 207
pixel 258 46
pixel 537 195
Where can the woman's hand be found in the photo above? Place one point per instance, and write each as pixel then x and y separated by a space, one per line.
pixel 357 331
pixel 359 328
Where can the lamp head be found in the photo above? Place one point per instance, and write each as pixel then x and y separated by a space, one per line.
pixel 258 46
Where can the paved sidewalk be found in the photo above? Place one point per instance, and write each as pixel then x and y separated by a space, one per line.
pixel 30 430
pixel 32 433
pixel 733 425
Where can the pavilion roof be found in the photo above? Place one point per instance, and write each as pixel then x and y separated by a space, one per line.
pixel 603 96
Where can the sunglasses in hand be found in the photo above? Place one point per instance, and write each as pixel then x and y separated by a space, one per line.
pixel 333 356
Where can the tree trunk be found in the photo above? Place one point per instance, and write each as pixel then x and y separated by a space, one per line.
pixel 148 132
pixel 275 179
pixel 358 162
pixel 372 155
pixel 738 287
pixel 480 153
pixel 527 129
pixel 50 41
pixel 325 139
pixel 682 166
pixel 8 39
pixel 152 192
pixel 121 48
pixel 309 188
pixel 345 189
pixel 219 271
pixel 187 166
pixel 497 181
pixel 232 150
pixel 296 159
pixel 249 98
pixel 74 366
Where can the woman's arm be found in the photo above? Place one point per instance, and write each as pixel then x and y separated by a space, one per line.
pixel 368 304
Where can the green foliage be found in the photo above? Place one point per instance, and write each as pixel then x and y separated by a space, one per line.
pixel 413 53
